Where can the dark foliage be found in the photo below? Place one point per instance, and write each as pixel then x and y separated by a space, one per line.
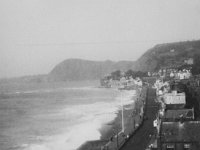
pixel 167 55
pixel 135 74
pixel 116 75
pixel 196 65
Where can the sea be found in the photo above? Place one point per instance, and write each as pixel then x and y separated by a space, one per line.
pixel 56 116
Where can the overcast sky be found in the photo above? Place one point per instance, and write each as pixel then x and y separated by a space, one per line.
pixel 35 35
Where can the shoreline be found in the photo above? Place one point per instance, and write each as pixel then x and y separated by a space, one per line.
pixel 133 116
pixel 112 128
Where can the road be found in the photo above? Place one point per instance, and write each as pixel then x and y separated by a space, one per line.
pixel 141 138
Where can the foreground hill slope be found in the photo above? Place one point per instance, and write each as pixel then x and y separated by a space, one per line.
pixel 167 54
pixel 78 69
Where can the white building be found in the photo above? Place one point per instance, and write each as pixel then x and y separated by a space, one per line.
pixel 174 98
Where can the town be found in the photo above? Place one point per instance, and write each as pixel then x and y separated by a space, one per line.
pixel 167 106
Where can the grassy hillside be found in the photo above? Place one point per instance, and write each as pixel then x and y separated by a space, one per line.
pixel 161 55
pixel 167 54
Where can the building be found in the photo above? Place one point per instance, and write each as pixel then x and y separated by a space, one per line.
pixel 178 115
pixel 179 135
pixel 174 98
pixel 189 61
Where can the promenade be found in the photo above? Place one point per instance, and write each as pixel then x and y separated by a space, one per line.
pixel 141 138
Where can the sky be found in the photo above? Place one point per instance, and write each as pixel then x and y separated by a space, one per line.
pixel 36 35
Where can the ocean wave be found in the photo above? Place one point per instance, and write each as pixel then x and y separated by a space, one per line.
pixel 87 119
pixel 91 88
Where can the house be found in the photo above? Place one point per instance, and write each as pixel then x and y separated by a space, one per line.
pixel 174 98
pixel 185 74
pixel 179 135
pixel 138 82
pixel 178 115
pixel 189 61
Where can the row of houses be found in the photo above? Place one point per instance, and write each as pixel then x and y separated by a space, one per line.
pixel 173 73
pixel 178 70
pixel 177 128
pixel 129 123
pixel 123 83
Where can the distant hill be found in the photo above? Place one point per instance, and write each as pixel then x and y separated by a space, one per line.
pixel 160 55
pixel 78 69
pixel 167 54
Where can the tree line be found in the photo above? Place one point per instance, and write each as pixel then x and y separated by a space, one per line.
pixel 116 75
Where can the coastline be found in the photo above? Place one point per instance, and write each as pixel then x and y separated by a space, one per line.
pixel 133 118
pixel 112 128
pixel 111 133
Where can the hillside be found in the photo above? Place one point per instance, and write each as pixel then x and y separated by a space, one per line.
pixel 78 69
pixel 161 55
pixel 167 54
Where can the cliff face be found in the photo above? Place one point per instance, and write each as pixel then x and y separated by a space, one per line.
pixel 167 54
pixel 78 69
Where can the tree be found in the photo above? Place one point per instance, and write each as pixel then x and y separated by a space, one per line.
pixel 129 73
pixel 135 74
pixel 196 65
pixel 116 75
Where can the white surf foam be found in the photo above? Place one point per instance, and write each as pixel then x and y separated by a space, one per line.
pixel 86 121
pixel 50 90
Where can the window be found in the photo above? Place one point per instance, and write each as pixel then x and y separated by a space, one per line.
pixel 170 147
pixel 187 146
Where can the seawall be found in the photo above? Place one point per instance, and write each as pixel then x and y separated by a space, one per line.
pixel 142 136
pixel 132 121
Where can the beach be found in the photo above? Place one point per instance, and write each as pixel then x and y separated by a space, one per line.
pixel 132 115
pixel 141 139
pixel 60 117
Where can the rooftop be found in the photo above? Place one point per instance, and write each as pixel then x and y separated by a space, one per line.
pixel 175 106
pixel 177 115
pixel 175 98
pixel 180 132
